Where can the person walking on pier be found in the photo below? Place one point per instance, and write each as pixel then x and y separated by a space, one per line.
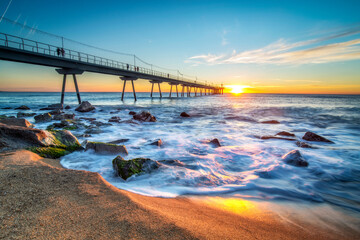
pixel 127 66
pixel 58 51
pixel 62 52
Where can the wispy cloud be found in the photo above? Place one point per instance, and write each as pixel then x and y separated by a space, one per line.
pixel 284 52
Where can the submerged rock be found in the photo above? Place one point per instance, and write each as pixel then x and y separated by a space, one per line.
pixel 127 168
pixel 93 130
pixel 303 145
pixel 132 113
pixel 115 119
pixel 23 107
pixel 310 136
pixel 100 147
pixel 22 115
pixel 85 106
pixel 157 143
pixel 275 137
pixel 16 122
pixel 184 114
pixel 271 122
pixel 295 158
pixel 215 142
pixel 119 141
pixel 144 117
pixel 67 107
pixel 287 134
pixel 87 119
pixel 46 117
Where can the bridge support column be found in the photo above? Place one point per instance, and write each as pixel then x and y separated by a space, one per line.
pixel 132 79
pixel 195 89
pixel 152 88
pixel 73 72
pixel 182 91
pixel 170 90
pixel 159 90
pixel 177 92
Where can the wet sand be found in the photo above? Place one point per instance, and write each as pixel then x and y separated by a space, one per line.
pixel 41 200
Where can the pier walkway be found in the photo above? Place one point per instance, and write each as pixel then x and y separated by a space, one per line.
pixel 71 62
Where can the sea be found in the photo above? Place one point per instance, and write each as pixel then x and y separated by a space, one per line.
pixel 245 166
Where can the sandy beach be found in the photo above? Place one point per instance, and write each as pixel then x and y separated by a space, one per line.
pixel 41 200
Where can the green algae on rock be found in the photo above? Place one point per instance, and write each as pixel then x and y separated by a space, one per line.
pixel 127 168
pixel 49 152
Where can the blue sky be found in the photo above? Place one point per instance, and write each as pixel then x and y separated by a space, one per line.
pixel 268 45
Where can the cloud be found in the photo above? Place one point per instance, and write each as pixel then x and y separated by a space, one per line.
pixel 284 52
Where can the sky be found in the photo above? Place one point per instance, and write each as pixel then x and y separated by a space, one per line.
pixel 263 46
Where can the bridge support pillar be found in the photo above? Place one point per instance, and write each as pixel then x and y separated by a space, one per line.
pixel 182 91
pixel 132 79
pixel 73 72
pixel 170 90
pixel 152 88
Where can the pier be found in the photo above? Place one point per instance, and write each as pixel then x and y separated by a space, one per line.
pixel 71 62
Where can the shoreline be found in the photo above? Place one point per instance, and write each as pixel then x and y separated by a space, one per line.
pixel 40 198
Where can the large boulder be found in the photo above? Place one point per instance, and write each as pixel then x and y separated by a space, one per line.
pixel 23 137
pixel 310 136
pixel 100 147
pixel 144 117
pixel 127 168
pixel 16 122
pixel 295 158
pixel 85 106
pixel 46 117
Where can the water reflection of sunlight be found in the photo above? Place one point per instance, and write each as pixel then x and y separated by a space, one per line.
pixel 234 205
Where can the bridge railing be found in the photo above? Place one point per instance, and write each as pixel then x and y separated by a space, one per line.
pixel 56 51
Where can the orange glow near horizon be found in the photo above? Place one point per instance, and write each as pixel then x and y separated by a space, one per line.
pixel 237 89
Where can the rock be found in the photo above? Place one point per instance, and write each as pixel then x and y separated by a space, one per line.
pixel 144 117
pixel 215 142
pixel 287 134
pixel 271 122
pixel 23 107
pixel 87 119
pixel 46 117
pixel 100 147
pixel 67 107
pixel 115 119
pixel 59 117
pixel 130 121
pixel 16 122
pixel 119 141
pixel 303 145
pixel 22 137
pixel 295 158
pixel 172 162
pixel 93 130
pixel 22 115
pixel 56 112
pixel 157 143
pixel 274 137
pixel 99 124
pixel 55 106
pixel 127 168
pixel 69 116
pixel 49 152
pixel 85 106
pixel 184 114
pixel 310 136
pixel 61 124
pixel 7 108
pixel 132 113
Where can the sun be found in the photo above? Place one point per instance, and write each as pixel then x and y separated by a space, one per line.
pixel 237 89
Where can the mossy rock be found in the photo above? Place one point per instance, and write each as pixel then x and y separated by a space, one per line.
pixel 49 152
pixel 127 168
pixel 73 127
